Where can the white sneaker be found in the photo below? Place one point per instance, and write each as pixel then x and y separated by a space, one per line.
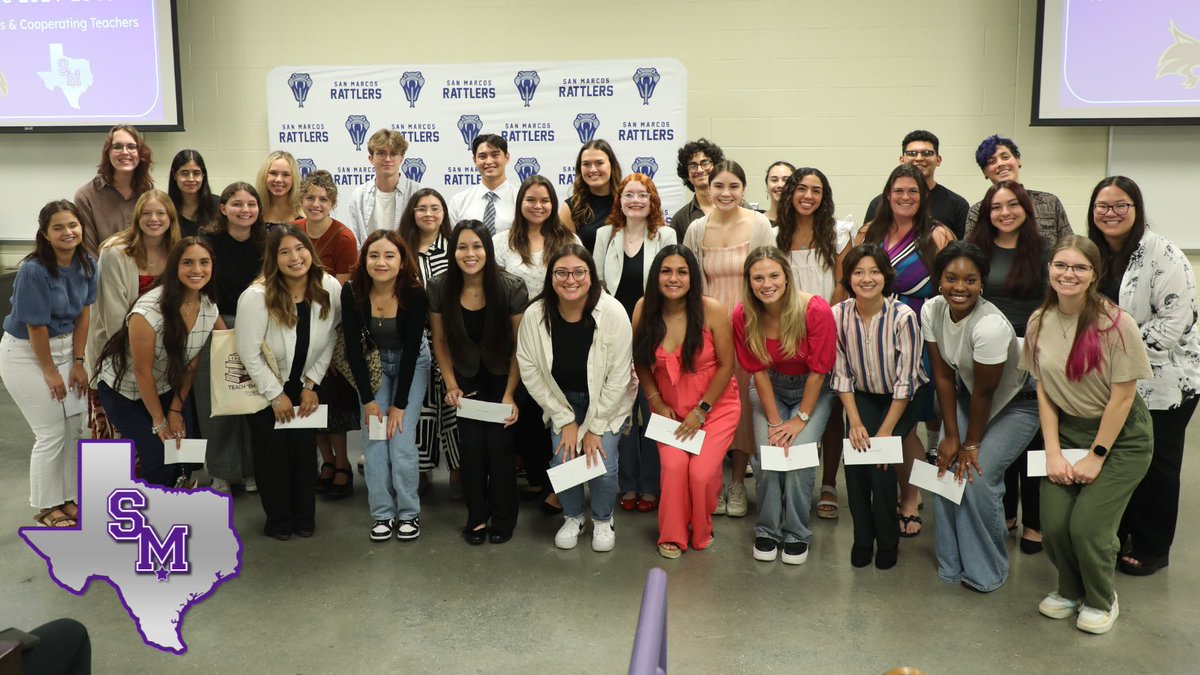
pixel 1092 620
pixel 721 507
pixel 251 485
pixel 568 534
pixel 221 485
pixel 736 503
pixel 604 537
pixel 1056 606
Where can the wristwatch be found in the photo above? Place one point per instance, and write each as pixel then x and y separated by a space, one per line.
pixel 704 406
pixel 1100 450
pixel 804 417
pixel 309 385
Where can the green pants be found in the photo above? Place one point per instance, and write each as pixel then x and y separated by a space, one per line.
pixel 872 492
pixel 1079 523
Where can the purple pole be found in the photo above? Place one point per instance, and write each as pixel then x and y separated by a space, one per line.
pixel 650 641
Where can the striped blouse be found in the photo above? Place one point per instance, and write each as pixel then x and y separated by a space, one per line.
pixel 882 356
pixel 434 260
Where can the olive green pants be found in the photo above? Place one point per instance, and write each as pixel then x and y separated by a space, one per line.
pixel 1079 522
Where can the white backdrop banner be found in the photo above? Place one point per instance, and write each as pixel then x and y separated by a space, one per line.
pixel 546 110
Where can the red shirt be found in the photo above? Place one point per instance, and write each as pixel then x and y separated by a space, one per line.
pixel 337 248
pixel 818 349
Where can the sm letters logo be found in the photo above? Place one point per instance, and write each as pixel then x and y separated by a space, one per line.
pixel 586 125
pixel 646 80
pixel 527 82
pixel 413 168
pixel 300 83
pixel 469 126
pixel 526 167
pixel 161 556
pixel 357 126
pixel 411 82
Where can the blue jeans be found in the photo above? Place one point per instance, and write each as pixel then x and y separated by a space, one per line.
pixel 391 469
pixel 639 468
pixel 132 420
pixel 969 537
pixel 604 488
pixel 785 497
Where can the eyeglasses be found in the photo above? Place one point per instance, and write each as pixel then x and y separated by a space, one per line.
pixel 909 192
pixel 693 167
pixel 1120 208
pixel 578 274
pixel 124 147
pixel 384 154
pixel 920 153
pixel 428 209
pixel 1062 267
pixel 630 196
pixel 188 174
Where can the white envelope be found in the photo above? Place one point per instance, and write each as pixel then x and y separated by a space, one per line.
pixel 1036 460
pixel 484 411
pixel 191 451
pixel 73 404
pixel 883 450
pixel 662 429
pixel 798 457
pixel 318 420
pixel 376 429
pixel 924 475
pixel 575 472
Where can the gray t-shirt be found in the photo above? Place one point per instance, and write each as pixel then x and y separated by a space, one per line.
pixel 984 336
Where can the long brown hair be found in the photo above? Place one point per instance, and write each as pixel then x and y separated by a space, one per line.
pixel 581 210
pixel 792 322
pixel 220 224
pixel 1085 355
pixel 132 238
pixel 43 252
pixel 554 234
pixel 923 223
pixel 360 278
pixel 1114 263
pixel 278 297
pixel 1028 273
pixel 824 240
pixel 142 180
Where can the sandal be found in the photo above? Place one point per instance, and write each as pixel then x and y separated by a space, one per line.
pixel 69 506
pixel 325 482
pixel 47 518
pixel 1138 565
pixel 669 551
pixel 905 521
pixel 828 508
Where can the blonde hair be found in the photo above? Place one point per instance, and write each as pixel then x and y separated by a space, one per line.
pixel 261 181
pixel 132 238
pixel 791 321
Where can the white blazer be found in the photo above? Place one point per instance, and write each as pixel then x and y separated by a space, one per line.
pixel 255 328
pixel 610 255
pixel 612 384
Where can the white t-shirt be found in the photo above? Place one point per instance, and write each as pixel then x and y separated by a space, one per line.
pixel 385 211
pixel 984 336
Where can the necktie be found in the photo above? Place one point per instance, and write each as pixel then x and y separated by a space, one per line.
pixel 489 212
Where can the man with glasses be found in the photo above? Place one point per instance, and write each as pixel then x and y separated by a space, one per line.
pixel 378 204
pixel 695 162
pixel 921 149
pixel 1000 160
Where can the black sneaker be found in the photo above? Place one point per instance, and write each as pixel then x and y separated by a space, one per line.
pixel 408 530
pixel 381 530
pixel 795 552
pixel 765 549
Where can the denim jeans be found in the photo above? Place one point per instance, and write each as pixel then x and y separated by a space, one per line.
pixel 785 497
pixel 969 536
pixel 132 421
pixel 604 488
pixel 391 471
pixel 639 468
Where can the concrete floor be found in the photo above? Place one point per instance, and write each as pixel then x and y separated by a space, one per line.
pixel 340 603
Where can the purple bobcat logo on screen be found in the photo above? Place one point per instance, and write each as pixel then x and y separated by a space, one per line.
pixel 1181 58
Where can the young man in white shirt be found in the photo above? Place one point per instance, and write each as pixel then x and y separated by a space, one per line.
pixel 378 204
pixel 494 200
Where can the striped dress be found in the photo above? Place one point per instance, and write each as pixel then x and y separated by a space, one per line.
pixel 437 427
pixel 913 285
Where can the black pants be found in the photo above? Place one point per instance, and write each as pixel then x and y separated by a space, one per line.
pixel 533 439
pixel 1154 508
pixel 487 461
pixel 1019 487
pixel 63 648
pixel 285 467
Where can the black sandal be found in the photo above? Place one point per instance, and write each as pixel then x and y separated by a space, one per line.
pixel 323 483
pixel 905 520
pixel 1149 564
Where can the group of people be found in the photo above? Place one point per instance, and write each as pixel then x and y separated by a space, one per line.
pixel 994 325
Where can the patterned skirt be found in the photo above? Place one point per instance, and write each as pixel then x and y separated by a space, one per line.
pixel 437 428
